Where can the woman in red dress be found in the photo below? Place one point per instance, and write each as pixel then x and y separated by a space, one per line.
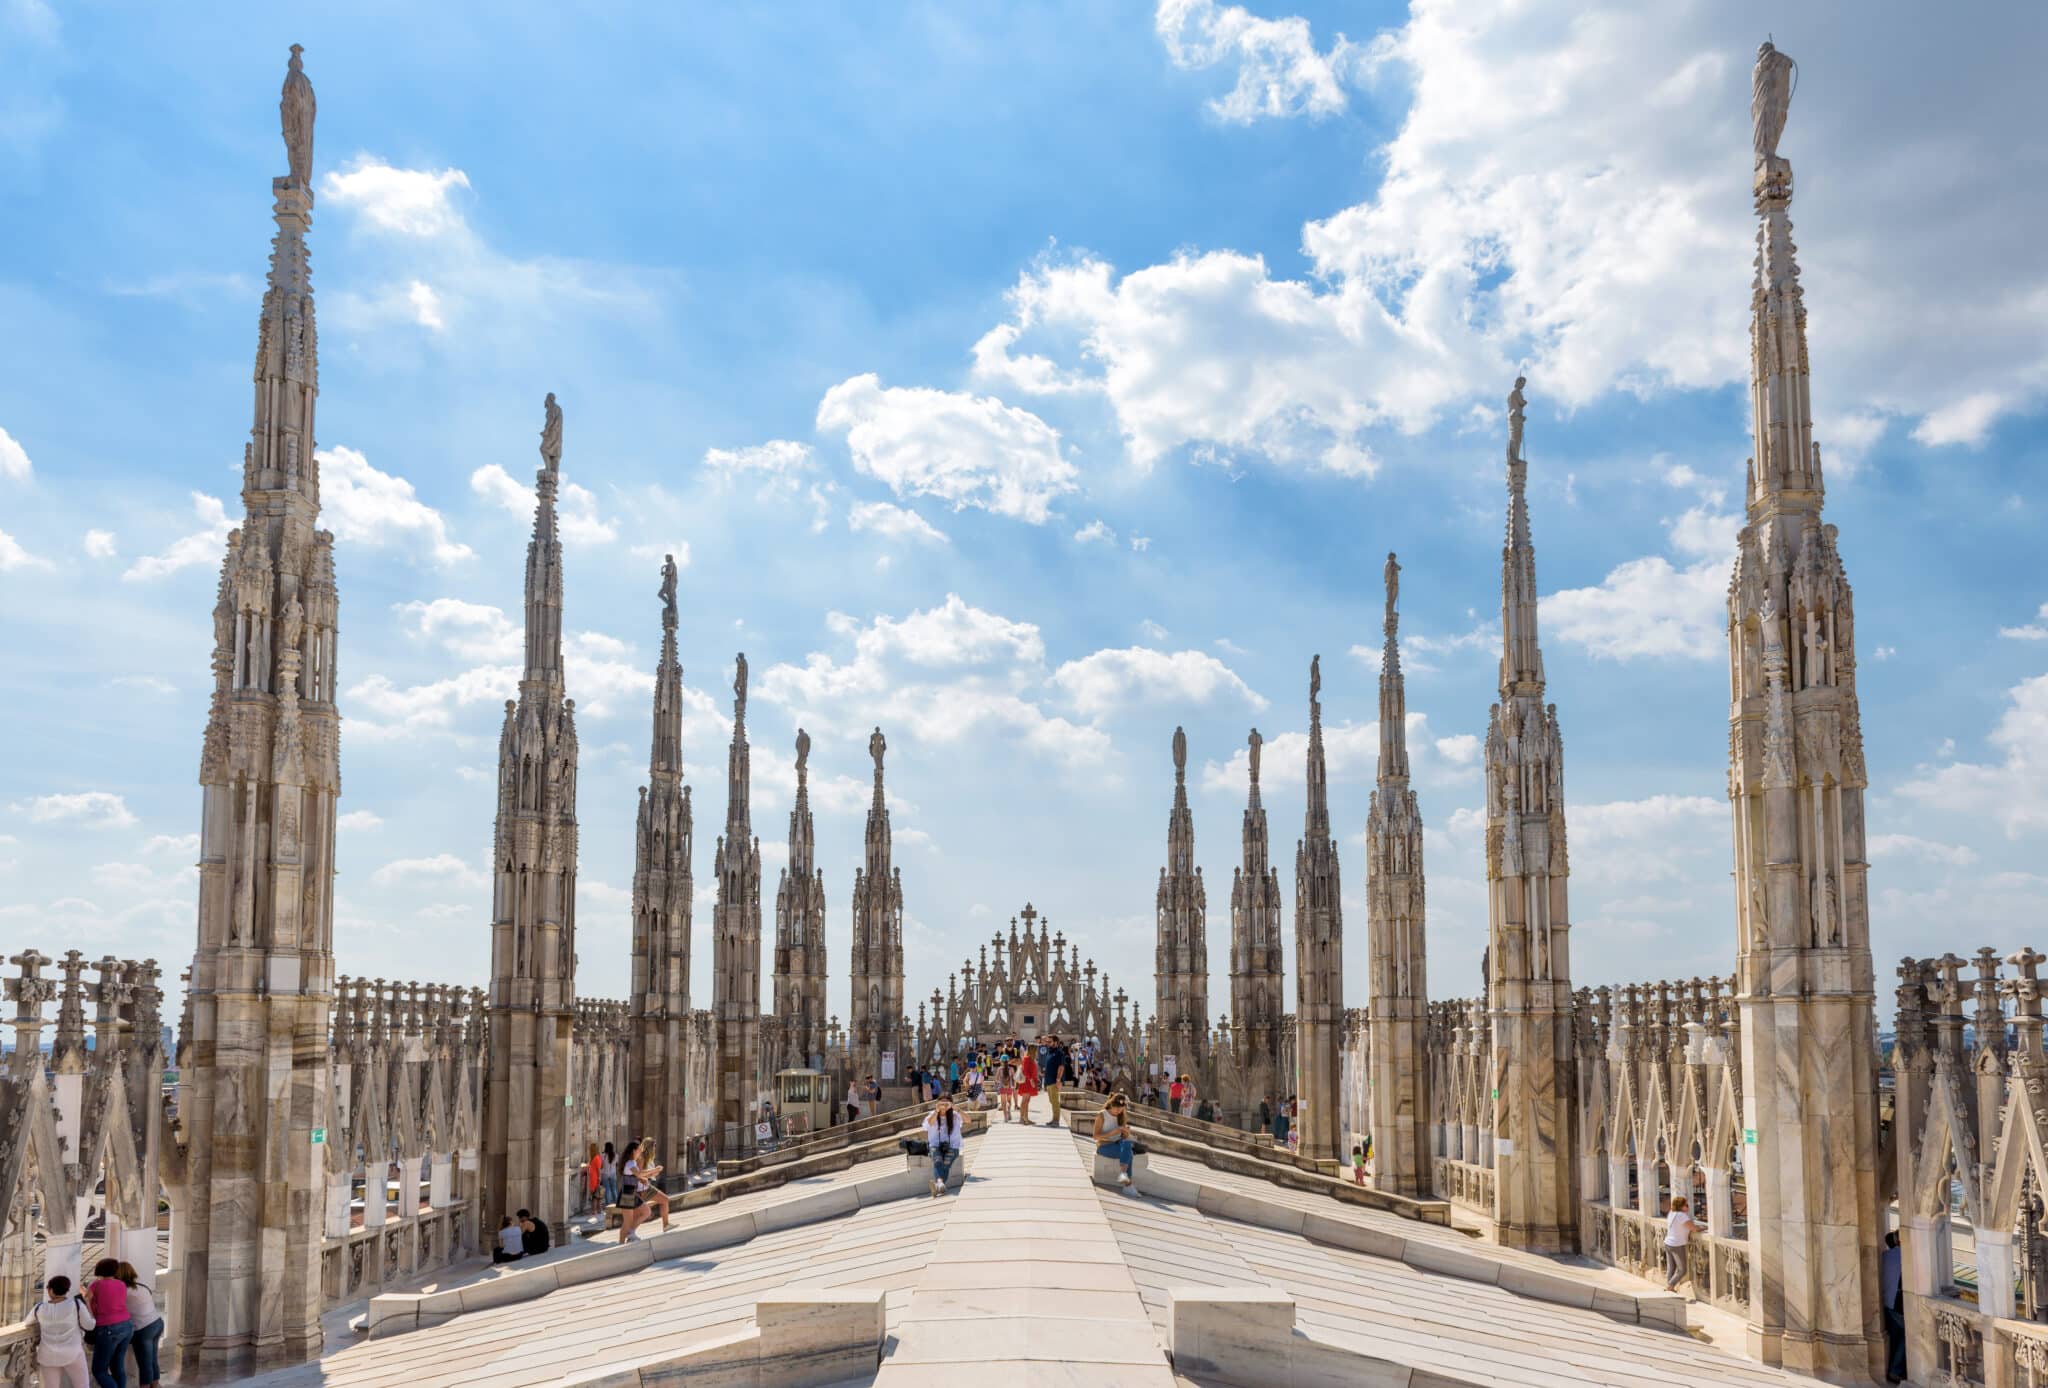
pixel 1027 1083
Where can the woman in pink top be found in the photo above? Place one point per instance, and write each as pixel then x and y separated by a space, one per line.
pixel 106 1296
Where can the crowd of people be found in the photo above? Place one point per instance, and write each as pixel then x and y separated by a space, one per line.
pixel 94 1331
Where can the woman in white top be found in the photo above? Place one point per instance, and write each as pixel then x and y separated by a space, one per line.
pixel 942 1139
pixel 149 1327
pixel 1678 1231
pixel 853 1101
pixel 1113 1138
pixel 61 1323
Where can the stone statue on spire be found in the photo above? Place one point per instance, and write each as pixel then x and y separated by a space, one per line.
pixel 877 745
pixel 1393 577
pixel 739 689
pixel 1770 99
pixel 1180 754
pixel 1252 745
pixel 551 435
pixel 295 109
pixel 1315 680
pixel 1517 403
pixel 668 592
pixel 803 753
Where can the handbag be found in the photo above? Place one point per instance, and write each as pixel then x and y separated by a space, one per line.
pixel 915 1147
pixel 628 1200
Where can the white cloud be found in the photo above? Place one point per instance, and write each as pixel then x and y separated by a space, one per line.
pixel 678 551
pixel 354 821
pixel 1966 421
pixel 171 843
pixel 14 463
pixel 440 869
pixel 1569 189
pixel 1459 749
pixel 1881 847
pixel 99 544
pixel 1110 681
pixel 2036 630
pixel 1646 607
pixel 1887 652
pixel 1141 543
pixel 775 463
pixel 576 511
pixel 203 546
pixel 1279 71
pixel 966 450
pixel 369 507
pixel 2013 792
pixel 1152 630
pixel 1351 753
pixel 894 523
pixel 1096 532
pixel 88 809
pixel 426 306
pixel 409 202
pixel 939 674
pixel 13 556
pixel 153 684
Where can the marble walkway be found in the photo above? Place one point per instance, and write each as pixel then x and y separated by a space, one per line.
pixel 1033 1277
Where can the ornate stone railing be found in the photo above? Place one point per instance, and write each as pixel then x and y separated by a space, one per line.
pixel 406 1076
pixel 1969 1070
pixel 1660 1102
pixel 81 1124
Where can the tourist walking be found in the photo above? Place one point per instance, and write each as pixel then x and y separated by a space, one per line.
pixel 1056 1069
pixel 1006 1088
pixel 1280 1116
pixel 942 1140
pixel 61 1322
pixel 1266 1114
pixel 610 1175
pixel 107 1298
pixel 149 1327
pixel 1027 1086
pixel 1889 1283
pixel 511 1241
pixel 593 1178
pixel 1113 1138
pixel 1679 1228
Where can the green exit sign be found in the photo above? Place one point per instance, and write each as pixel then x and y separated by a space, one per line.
pixel 319 1136
pixel 1749 1136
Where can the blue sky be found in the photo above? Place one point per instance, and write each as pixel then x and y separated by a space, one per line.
pixel 1027 380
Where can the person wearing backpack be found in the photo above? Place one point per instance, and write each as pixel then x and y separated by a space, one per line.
pixel 61 1323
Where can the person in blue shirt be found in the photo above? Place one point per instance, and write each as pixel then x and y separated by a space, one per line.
pixel 1890 1295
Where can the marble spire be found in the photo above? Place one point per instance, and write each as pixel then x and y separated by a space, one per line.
pixel 1318 950
pixel 1398 1002
pixel 663 890
pixel 800 961
pixel 251 1176
pixel 1181 907
pixel 1805 979
pixel 876 975
pixel 1528 915
pixel 533 912
pixel 736 931
pixel 1258 997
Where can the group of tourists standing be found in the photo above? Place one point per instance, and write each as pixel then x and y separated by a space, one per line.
pixel 94 1332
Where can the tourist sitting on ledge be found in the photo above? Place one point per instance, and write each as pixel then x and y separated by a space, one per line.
pixel 534 1235
pixel 511 1242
